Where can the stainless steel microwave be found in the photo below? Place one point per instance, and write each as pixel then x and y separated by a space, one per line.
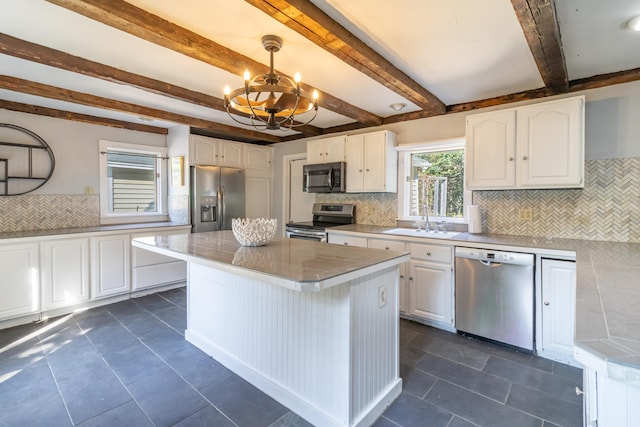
pixel 324 178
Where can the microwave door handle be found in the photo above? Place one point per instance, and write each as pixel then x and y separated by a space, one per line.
pixel 330 179
pixel 305 182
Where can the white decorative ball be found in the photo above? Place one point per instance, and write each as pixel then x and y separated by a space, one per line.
pixel 254 231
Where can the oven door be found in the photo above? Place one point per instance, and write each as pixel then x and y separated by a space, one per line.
pixel 306 234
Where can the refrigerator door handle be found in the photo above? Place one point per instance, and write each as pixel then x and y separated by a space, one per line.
pixel 222 208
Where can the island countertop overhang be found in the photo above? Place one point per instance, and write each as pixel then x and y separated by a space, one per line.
pixel 295 264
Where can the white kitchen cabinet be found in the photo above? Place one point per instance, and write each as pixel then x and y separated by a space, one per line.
pixel 65 272
pixel 551 144
pixel 258 192
pixel 110 265
pixel 19 281
pixel 372 162
pixel 203 150
pixel 399 246
pixel 150 269
pixel 490 150
pixel 257 157
pixel 326 150
pixel 431 283
pixel 535 146
pixel 611 392
pixel 347 240
pixel 231 154
pixel 215 152
pixel 558 287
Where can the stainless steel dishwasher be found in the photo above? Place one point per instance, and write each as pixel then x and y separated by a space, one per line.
pixel 495 295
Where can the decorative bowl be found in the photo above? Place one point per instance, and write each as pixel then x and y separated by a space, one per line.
pixel 253 231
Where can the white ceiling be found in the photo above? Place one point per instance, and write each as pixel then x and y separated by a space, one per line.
pixel 459 50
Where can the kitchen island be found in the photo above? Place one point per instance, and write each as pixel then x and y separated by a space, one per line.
pixel 313 325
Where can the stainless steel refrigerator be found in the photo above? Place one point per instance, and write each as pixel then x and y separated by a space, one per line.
pixel 217 195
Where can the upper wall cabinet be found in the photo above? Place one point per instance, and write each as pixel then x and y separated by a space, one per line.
pixel 326 150
pixel 372 162
pixel 215 152
pixel 257 157
pixel 536 146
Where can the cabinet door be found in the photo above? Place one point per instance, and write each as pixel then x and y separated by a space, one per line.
pixel 231 154
pixel 558 305
pixel 65 272
pixel 257 195
pixel 110 266
pixel 315 152
pixel 375 162
pixel 257 157
pixel 430 291
pixel 334 149
pixel 354 155
pixel 19 282
pixel 550 144
pixel 203 150
pixel 490 151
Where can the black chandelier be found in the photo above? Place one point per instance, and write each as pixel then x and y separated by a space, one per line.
pixel 270 101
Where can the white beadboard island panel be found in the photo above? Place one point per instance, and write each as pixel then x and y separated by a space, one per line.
pixel 330 356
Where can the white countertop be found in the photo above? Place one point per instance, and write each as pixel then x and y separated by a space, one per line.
pixel 300 265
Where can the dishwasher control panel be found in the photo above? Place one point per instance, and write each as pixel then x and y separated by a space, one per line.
pixel 495 256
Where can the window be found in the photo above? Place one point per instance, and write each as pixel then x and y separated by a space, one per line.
pixel 433 174
pixel 132 181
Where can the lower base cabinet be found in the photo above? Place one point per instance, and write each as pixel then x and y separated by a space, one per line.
pixel 152 269
pixel 430 292
pixel 558 295
pixel 64 272
pixel 19 281
pixel 110 265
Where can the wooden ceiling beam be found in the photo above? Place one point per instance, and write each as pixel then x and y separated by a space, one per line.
pixel 39 89
pixel 78 117
pixel 602 80
pixel 54 58
pixel 311 22
pixel 140 23
pixel 538 21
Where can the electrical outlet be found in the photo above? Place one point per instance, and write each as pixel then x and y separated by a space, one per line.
pixel 382 296
pixel 525 214
pixel 367 210
pixel 89 189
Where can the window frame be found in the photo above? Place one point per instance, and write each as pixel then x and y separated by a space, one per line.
pixel 404 177
pixel 160 153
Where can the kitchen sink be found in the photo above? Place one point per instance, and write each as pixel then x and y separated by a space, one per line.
pixel 432 234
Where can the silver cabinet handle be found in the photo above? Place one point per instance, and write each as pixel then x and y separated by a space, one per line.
pixel 410 278
pixel 386 247
pixel 346 243
pixel 546 303
pixel 511 159
pixel 428 253
pixel 524 157
pixel 401 276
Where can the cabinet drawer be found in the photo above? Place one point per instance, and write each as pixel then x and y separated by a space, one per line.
pixel 433 253
pixel 386 244
pixel 339 239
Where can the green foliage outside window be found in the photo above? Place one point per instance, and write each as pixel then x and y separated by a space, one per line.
pixel 438 179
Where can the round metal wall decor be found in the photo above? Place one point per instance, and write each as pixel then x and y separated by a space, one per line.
pixel 26 161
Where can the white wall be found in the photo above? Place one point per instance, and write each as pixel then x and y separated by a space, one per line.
pixel 75 147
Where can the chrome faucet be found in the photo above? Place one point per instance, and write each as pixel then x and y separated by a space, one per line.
pixel 425 208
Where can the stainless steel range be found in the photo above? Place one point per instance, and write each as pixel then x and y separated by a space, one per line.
pixel 325 215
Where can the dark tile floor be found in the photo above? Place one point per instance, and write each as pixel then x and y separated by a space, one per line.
pixel 127 364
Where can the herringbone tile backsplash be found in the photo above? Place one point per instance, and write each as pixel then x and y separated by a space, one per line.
pixel 371 208
pixel 49 211
pixel 608 208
